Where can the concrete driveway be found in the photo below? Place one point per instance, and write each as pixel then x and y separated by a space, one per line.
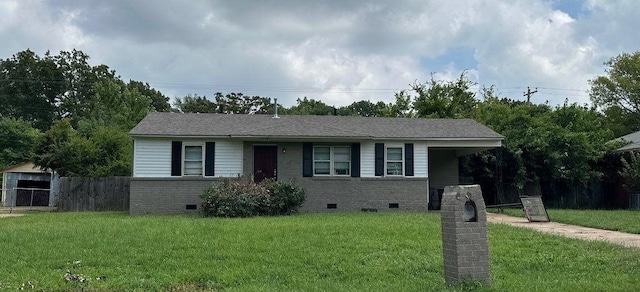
pixel 579 232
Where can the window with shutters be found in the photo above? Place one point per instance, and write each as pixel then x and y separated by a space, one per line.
pixel 332 160
pixel 192 160
pixel 394 163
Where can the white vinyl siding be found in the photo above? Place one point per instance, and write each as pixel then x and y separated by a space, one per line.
pixel 367 159
pixel 228 158
pixel 420 160
pixel 152 158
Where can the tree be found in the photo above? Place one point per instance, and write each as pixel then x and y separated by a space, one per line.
pixel 93 152
pixel 159 101
pixel 237 103
pixel 363 108
pixel 554 148
pixel 116 105
pixel 30 88
pixel 17 138
pixel 54 150
pixel 620 89
pixel 309 106
pixel 440 99
pixel 79 78
pixel 194 104
pixel 401 108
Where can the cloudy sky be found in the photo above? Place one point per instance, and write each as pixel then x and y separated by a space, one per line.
pixel 335 51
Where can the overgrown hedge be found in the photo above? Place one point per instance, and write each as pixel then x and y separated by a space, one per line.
pixel 241 197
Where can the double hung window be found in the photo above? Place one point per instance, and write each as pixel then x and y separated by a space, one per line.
pixel 192 164
pixel 395 159
pixel 332 160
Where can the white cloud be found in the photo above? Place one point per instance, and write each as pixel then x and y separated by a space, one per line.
pixel 337 51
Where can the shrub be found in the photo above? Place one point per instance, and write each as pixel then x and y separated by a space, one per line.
pixel 241 197
pixel 286 198
pixel 631 173
pixel 235 198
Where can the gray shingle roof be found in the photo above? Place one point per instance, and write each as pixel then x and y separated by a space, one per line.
pixel 293 126
pixel 634 138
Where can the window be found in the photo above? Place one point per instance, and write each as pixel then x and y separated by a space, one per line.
pixel 394 161
pixel 332 160
pixel 192 160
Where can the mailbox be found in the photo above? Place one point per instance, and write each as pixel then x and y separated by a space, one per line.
pixel 464 235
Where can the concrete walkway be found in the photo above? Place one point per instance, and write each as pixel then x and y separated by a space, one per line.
pixel 579 232
pixel 10 215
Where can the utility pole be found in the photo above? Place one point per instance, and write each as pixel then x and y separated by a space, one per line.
pixel 529 93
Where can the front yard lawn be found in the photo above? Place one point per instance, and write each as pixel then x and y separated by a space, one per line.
pixel 308 252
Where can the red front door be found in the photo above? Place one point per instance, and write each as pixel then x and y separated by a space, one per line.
pixel 265 163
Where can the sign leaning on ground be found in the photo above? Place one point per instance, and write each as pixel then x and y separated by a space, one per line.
pixel 534 209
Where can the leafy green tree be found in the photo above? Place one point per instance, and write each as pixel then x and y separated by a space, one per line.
pixel 54 150
pixel 630 172
pixel 618 121
pixel 159 101
pixel 231 103
pixel 545 146
pixel 92 152
pixel 113 152
pixel 30 88
pixel 309 106
pixel 620 90
pixel 17 138
pixel 363 108
pixel 79 79
pixel 401 108
pixel 237 103
pixel 116 105
pixel 194 103
pixel 444 99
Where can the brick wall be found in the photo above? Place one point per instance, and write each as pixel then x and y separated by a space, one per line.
pixel 166 195
pixel 347 193
pixel 171 195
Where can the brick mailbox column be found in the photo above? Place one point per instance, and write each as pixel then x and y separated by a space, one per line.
pixel 464 235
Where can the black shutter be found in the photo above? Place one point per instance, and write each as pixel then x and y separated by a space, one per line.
pixel 355 160
pixel 408 159
pixel 307 160
pixel 209 158
pixel 176 158
pixel 379 154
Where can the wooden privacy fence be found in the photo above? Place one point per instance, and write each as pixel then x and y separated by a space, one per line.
pixel 94 194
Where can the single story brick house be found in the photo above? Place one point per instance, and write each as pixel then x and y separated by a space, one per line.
pixel 344 163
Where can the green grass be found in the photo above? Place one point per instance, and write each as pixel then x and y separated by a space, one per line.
pixel 309 252
pixel 617 220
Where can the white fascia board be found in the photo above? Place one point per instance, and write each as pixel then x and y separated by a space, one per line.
pixel 465 143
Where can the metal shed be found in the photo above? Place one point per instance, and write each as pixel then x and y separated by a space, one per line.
pixel 27 185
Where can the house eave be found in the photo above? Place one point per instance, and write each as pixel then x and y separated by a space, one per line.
pixel 494 140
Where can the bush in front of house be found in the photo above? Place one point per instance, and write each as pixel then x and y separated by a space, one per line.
pixel 286 198
pixel 241 197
